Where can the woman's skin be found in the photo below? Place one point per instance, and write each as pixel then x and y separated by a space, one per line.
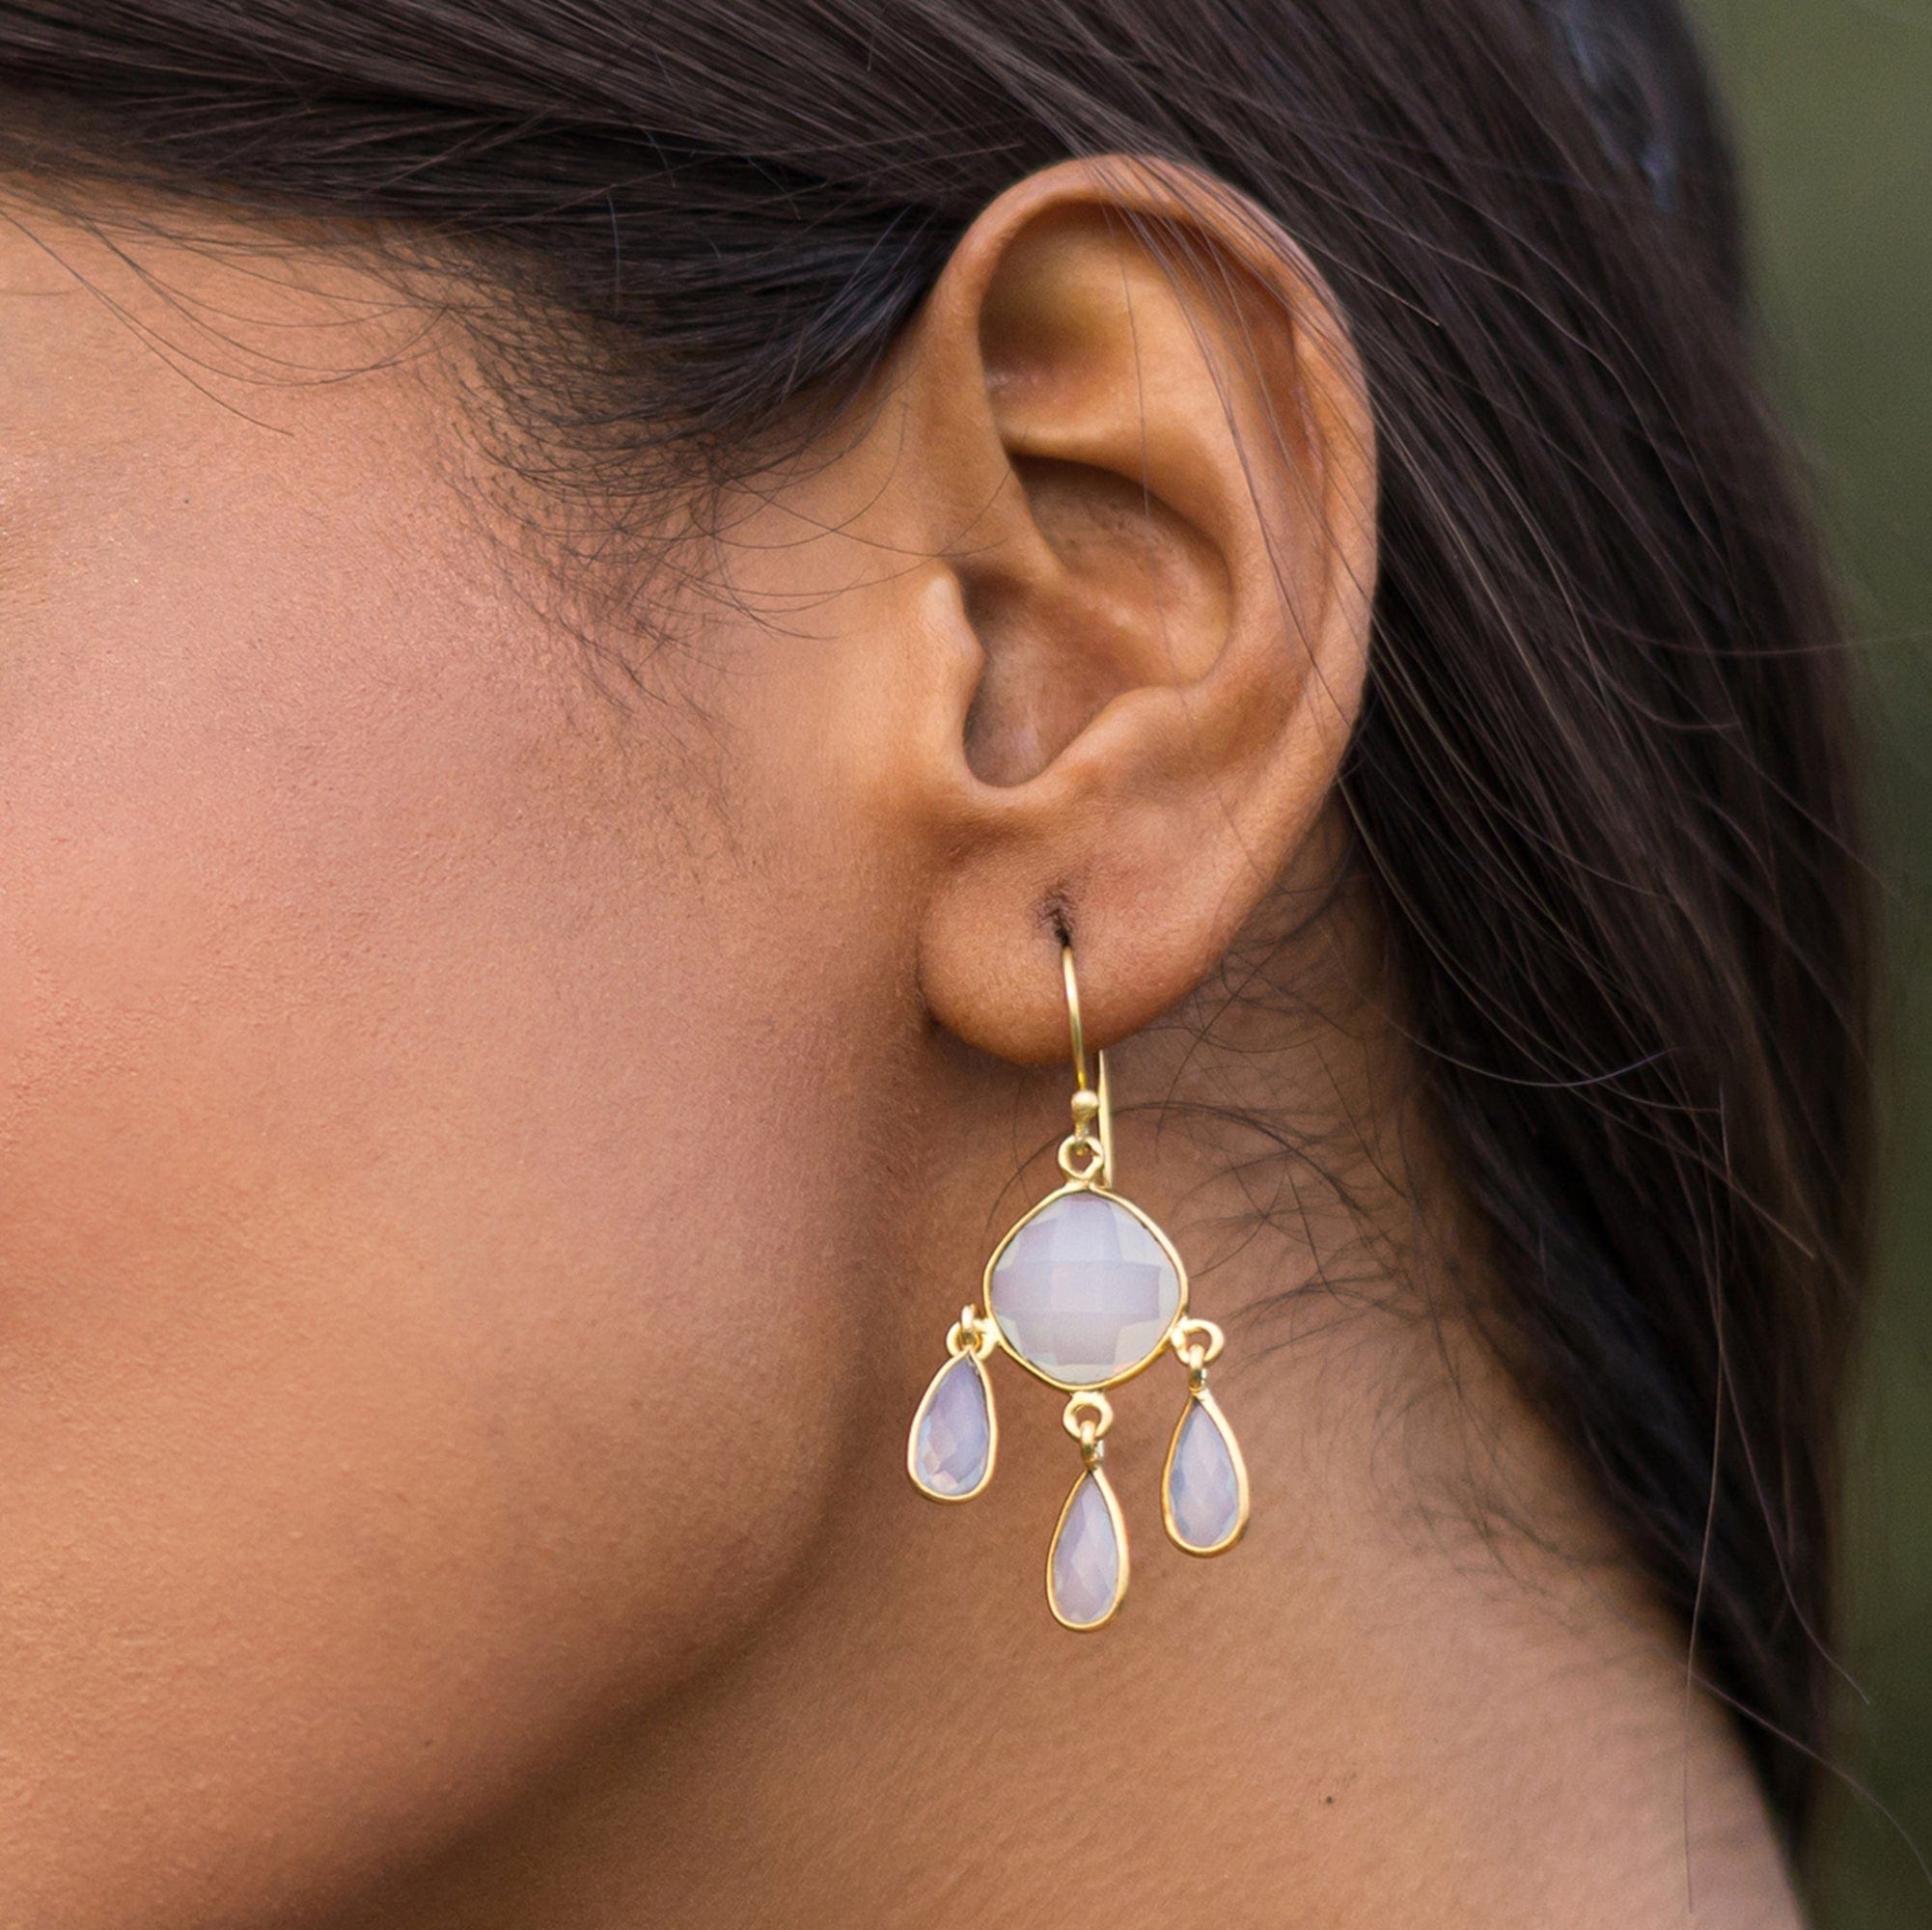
pixel 490 1149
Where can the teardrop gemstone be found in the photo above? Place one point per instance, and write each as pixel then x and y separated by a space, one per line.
pixel 1087 1567
pixel 949 1455
pixel 1204 1500
pixel 1082 1289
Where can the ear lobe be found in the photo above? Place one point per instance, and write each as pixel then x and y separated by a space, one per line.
pixel 1146 447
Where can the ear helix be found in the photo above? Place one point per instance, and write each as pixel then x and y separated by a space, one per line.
pixel 1086 1292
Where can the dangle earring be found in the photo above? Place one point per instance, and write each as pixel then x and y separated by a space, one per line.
pixel 1085 1292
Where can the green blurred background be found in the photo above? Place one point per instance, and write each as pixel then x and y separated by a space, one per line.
pixel 1832 104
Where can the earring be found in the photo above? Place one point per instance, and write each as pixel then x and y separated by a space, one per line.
pixel 1085 1292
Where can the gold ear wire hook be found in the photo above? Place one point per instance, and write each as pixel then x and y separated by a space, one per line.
pixel 1073 1026
pixel 1106 1125
pixel 1090 1103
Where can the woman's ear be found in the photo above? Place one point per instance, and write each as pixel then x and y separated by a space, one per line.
pixel 1142 443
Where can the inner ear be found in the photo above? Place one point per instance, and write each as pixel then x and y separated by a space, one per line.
pixel 1089 345
pixel 1133 577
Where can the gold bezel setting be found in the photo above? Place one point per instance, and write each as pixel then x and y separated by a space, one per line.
pixel 1202 1399
pixel 1026 1219
pixel 1097 1475
pixel 975 1359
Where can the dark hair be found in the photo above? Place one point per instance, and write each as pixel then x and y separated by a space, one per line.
pixel 1602 786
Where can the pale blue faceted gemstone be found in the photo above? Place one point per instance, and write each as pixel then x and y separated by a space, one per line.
pixel 1204 1488
pixel 1085 1566
pixel 954 1434
pixel 1084 1290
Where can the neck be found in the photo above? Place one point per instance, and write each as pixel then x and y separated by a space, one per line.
pixel 1422 1690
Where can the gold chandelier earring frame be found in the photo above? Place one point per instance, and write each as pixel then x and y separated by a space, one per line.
pixel 1085 1292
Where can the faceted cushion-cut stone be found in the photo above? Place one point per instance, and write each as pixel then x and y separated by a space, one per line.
pixel 952 1432
pixel 1085 1570
pixel 1084 1290
pixel 1203 1489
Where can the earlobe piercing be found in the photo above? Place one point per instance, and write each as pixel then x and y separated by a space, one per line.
pixel 1085 1292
